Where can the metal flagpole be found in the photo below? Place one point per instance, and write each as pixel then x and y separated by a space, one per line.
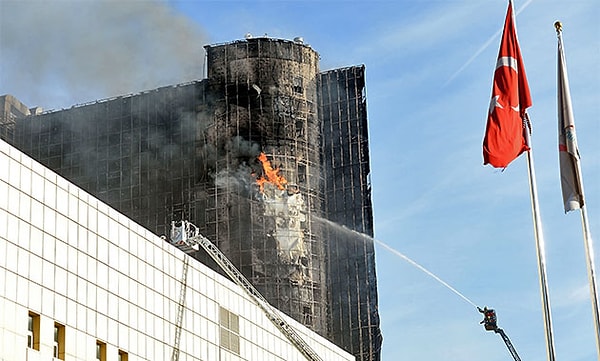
pixel 587 237
pixel 589 253
pixel 541 251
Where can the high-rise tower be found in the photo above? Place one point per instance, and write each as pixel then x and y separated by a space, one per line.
pixel 262 156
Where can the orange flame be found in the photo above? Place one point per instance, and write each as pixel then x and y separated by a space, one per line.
pixel 271 175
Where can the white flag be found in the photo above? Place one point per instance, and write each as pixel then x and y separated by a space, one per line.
pixel 570 177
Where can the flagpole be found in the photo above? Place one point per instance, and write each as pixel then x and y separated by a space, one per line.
pixel 541 251
pixel 587 237
pixel 589 253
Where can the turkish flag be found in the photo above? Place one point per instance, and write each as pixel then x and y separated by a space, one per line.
pixel 505 137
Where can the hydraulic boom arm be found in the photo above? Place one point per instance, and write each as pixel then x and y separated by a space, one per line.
pixel 511 349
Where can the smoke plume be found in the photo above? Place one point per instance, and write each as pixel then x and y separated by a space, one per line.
pixel 55 54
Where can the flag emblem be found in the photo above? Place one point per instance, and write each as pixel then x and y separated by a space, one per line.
pixel 505 137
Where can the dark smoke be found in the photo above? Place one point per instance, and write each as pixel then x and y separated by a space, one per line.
pixel 55 54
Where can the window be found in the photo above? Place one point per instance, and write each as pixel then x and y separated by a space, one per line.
pixel 123 356
pixel 230 329
pixel 100 351
pixel 59 341
pixel 297 85
pixel 33 331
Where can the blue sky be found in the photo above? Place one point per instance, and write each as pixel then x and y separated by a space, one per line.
pixel 429 67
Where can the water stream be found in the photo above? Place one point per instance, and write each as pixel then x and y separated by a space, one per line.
pixel 368 238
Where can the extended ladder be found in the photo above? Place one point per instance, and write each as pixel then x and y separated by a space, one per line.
pixel 191 244
pixel 179 321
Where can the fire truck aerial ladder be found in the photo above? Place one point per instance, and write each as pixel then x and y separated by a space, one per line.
pixel 188 238
pixel 490 324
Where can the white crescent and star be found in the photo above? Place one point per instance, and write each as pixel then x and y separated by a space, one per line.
pixel 512 63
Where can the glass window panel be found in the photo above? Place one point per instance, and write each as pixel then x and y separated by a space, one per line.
pixel 36 241
pixel 37 213
pixel 102 326
pixel 62 201
pixel 102 276
pixel 102 225
pixel 73 208
pixel 49 220
pixel 35 268
pixel 22 290
pixel 133 266
pixel 123 312
pixel 113 305
pixel 113 255
pixel 92 217
pixel 81 289
pixel 81 325
pixel 24 207
pixel 62 230
pixel 4 161
pixel 141 319
pixel 60 308
pixel 14 173
pixel 101 301
pixel 13 229
pixel 24 234
pixel 61 254
pixel 73 235
pixel 72 259
pixel 37 187
pixel 113 284
pixel 91 244
pixel 10 288
pixel 23 262
pixel 81 265
pixel 49 194
pixel 60 281
pixel 123 236
pixel 113 230
pixel 123 286
pixel 13 201
pixel 83 214
pixel 11 257
pixel 91 295
pixel 71 312
pixel 71 286
pixel 48 274
pixel 103 251
pixel 92 265
pixel 25 180
pixel 49 249
pixel 132 244
pixel 158 280
pixel 141 294
pixel 3 195
pixel 3 223
pixel 113 331
pixel 91 321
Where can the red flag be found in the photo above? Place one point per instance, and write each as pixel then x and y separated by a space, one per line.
pixel 505 137
pixel 570 170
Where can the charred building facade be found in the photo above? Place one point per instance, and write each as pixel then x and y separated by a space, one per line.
pixel 266 156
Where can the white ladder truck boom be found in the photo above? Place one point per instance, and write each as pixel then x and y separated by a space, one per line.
pixel 490 324
pixel 188 238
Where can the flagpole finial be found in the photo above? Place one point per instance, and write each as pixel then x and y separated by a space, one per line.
pixel 558 26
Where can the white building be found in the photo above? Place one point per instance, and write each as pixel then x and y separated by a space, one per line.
pixel 80 281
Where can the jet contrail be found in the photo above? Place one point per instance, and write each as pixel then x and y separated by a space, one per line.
pixel 484 46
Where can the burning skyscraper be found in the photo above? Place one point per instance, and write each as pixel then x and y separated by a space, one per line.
pixel 261 156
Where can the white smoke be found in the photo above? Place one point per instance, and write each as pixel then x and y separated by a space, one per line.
pixel 55 54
